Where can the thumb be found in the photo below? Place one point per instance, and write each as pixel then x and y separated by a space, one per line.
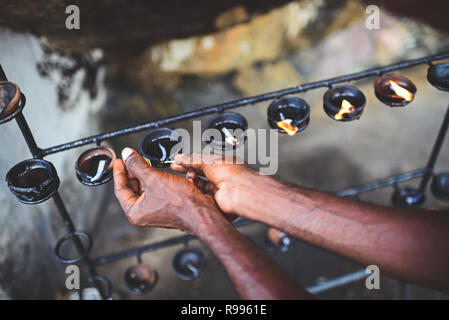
pixel 135 163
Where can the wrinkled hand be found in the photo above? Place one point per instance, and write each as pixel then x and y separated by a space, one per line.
pixel 228 181
pixel 155 198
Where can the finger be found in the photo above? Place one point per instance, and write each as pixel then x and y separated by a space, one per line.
pixel 122 190
pixel 193 161
pixel 200 183
pixel 211 188
pixel 136 165
pixel 134 185
pixel 191 174
pixel 178 168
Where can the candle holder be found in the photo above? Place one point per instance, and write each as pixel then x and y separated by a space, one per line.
pixel 33 181
pixel 394 90
pixel 440 186
pixel 408 197
pixel 94 166
pixel 226 123
pixel 189 263
pixel 140 279
pixel 11 101
pixel 277 240
pixel 158 147
pixel 438 76
pixel 288 115
pixel 344 103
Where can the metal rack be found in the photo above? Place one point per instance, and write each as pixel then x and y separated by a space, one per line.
pixel 103 285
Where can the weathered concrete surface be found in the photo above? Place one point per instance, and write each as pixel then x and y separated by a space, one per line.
pixel 28 268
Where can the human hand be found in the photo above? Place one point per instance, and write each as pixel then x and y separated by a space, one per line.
pixel 228 181
pixel 155 198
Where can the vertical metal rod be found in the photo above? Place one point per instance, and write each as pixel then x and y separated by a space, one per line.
pixel 435 152
pixel 26 132
pixel 76 241
pixel 2 74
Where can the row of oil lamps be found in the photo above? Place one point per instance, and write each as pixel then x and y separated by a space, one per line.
pixel 34 180
pixel 189 263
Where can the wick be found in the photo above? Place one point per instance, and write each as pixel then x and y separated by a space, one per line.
pixel 164 152
pixel 281 115
pixel 226 132
pixel 193 269
pixel 100 170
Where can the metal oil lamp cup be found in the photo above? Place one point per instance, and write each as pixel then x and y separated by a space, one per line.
pixel 159 146
pixel 228 124
pixel 394 90
pixel 294 110
pixel 438 76
pixel 189 263
pixel 440 186
pixel 11 101
pixel 140 279
pixel 344 103
pixel 33 181
pixel 94 166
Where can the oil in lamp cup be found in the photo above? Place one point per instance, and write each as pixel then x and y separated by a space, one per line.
pixel 225 123
pixel 140 279
pixel 408 197
pixel 157 146
pixel 10 98
pixel 94 166
pixel 295 110
pixel 344 103
pixel 189 263
pixel 438 76
pixel 440 186
pixel 33 181
pixel 394 90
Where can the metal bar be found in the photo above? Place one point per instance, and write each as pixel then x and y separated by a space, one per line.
pixel 338 282
pixel 155 246
pixel 382 183
pixel 2 74
pixel 435 152
pixel 26 132
pixel 76 241
pixel 242 102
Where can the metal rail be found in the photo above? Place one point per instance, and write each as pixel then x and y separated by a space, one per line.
pixel 92 263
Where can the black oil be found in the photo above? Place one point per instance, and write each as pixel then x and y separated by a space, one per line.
pixel 160 149
pixel 92 165
pixel 31 178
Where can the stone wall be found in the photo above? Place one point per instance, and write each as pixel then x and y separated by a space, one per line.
pixel 57 110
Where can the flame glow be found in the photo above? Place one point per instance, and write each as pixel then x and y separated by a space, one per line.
pixel 229 137
pixel 287 126
pixel 401 92
pixel 346 107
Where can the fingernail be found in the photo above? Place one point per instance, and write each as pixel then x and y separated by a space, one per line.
pixel 126 152
pixel 179 156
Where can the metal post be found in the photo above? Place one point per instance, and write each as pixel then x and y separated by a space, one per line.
pixel 435 152
pixel 26 132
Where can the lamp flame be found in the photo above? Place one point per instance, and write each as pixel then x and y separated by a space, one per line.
pixel 229 137
pixel 346 107
pixel 401 92
pixel 287 126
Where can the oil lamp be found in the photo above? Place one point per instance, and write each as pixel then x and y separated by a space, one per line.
pixel 288 115
pixel 408 197
pixel 189 263
pixel 140 279
pixel 159 146
pixel 94 166
pixel 438 76
pixel 33 181
pixel 440 186
pixel 394 90
pixel 344 103
pixel 277 240
pixel 10 97
pixel 231 126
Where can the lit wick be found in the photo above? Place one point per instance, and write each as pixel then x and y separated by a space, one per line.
pixel 286 125
pixel 346 107
pixel 100 170
pixel 193 269
pixel 229 137
pixel 164 152
pixel 401 92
